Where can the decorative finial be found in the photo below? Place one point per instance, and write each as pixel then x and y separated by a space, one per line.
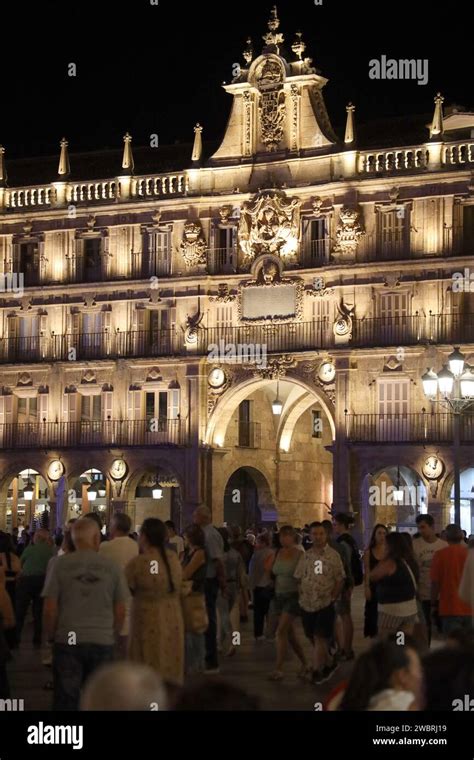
pixel 197 149
pixel 274 38
pixel 248 52
pixel 437 126
pixel 3 168
pixel 64 169
pixel 127 161
pixel 350 131
pixel 299 46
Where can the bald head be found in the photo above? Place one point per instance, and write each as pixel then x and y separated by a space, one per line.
pixel 86 534
pixel 124 686
pixel 202 515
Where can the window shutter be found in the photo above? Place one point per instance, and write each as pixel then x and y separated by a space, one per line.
pixel 106 321
pixel 12 323
pixel 107 405
pixel 134 405
pixel 70 407
pixel 173 404
pixel 6 410
pixel 43 324
pixel 43 399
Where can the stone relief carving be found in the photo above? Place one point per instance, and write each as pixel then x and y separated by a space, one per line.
pixel 269 223
pixel 191 331
pixel 223 295
pixel 193 246
pixel 276 369
pixel 343 324
pixel 272 118
pixel 348 234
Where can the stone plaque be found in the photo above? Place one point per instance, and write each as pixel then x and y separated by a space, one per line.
pixel 275 302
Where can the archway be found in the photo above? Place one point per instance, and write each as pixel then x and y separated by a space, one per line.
pixel 156 492
pixel 90 492
pixel 467 500
pixel 248 501
pixel 27 504
pixel 394 496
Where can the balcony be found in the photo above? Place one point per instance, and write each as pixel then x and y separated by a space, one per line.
pixel 317 253
pixel 152 264
pixel 420 427
pixel 78 270
pixel 92 434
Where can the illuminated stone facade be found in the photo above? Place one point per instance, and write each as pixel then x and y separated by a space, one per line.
pixel 324 268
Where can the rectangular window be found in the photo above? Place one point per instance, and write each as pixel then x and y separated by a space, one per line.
pixel 317 425
pixel 468 229
pixel 317 242
pixel 393 409
pixel 224 316
pixel 92 259
pixel 222 255
pixel 28 264
pixel 159 254
pixel 392 233
pixel 91 408
pixel 27 410
pixel 245 424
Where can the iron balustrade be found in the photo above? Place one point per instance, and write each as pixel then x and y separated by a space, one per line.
pixel 222 260
pixel 418 427
pixel 151 264
pixel 93 433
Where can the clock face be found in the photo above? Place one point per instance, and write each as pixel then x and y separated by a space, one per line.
pixel 216 378
pixel 433 467
pixel 327 372
pixel 55 470
pixel 118 469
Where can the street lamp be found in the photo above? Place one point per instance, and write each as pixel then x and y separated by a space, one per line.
pixel 456 389
pixel 277 406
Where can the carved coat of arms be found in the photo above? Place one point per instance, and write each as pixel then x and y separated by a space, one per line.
pixel 193 246
pixel 269 224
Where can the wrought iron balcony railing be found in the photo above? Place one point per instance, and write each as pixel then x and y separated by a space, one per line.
pixel 420 427
pixel 95 433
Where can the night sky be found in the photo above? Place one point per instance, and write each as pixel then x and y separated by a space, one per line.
pixel 158 69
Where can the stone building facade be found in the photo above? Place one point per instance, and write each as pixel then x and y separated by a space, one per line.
pixel 149 323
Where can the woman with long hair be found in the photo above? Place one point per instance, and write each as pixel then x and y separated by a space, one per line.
pixel 374 554
pixel 284 606
pixel 12 567
pixel 396 579
pixel 229 605
pixel 157 627
pixel 387 677
pixel 194 569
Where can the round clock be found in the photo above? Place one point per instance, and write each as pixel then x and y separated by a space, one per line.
pixel 216 378
pixel 118 469
pixel 433 467
pixel 55 470
pixel 327 372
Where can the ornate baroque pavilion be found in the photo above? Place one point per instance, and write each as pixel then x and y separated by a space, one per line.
pixel 323 265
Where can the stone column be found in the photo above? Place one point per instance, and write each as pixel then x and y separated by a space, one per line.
pixel 340 450
pixel 3 515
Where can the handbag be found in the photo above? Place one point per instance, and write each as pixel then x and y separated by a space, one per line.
pixel 195 613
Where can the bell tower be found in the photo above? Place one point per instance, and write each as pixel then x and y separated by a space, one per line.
pixel 278 107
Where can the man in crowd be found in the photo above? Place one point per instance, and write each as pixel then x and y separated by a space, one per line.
pixel 85 598
pixel 174 540
pixel 215 579
pixel 425 548
pixel 446 573
pixel 342 524
pixel 321 575
pixel 34 561
pixel 121 549
pixel 344 552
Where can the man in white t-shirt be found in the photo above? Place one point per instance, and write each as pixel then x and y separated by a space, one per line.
pixel 121 549
pixel 174 539
pixel 425 547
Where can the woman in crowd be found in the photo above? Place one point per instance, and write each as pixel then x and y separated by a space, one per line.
pixel 285 601
pixel 260 584
pixel 11 565
pixel 7 623
pixel 396 579
pixel 229 605
pixel 194 569
pixel 387 677
pixel 157 627
pixel 374 554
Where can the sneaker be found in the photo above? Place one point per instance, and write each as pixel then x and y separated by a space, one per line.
pixel 212 671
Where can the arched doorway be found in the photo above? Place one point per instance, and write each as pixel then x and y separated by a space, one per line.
pixel 27 501
pixel 467 501
pixel 248 501
pixel 91 492
pixel 157 493
pixel 393 496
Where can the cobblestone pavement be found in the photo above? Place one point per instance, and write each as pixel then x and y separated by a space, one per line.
pixel 249 669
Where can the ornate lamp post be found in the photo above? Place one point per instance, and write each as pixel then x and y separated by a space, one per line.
pixel 453 388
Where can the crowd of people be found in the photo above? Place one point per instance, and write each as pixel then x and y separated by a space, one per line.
pixel 153 612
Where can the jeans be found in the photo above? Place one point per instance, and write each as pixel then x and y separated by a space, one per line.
pixel 29 589
pixel 72 666
pixel 261 604
pixel 426 605
pixel 451 623
pixel 195 648
pixel 210 589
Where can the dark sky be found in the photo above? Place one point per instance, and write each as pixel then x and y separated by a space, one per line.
pixel 158 69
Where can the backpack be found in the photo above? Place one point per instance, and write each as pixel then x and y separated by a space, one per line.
pixel 356 562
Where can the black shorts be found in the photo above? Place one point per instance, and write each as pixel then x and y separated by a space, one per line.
pixel 320 623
